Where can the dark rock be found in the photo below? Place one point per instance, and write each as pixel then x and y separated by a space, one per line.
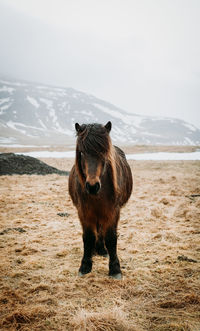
pixel 63 214
pixel 11 164
pixel 21 230
pixel 185 258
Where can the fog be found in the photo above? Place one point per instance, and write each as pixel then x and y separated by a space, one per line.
pixel 143 56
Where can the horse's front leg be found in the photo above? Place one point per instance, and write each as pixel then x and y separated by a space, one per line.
pixel 111 245
pixel 89 240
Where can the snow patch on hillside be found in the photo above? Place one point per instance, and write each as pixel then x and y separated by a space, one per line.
pixel 12 83
pixel 14 125
pixel 7 89
pixel 5 107
pixel 42 124
pixel 151 134
pixel 190 126
pixel 52 114
pixel 188 141
pixel 33 101
pixel 3 100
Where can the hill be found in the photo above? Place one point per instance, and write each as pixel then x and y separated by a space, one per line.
pixel 32 113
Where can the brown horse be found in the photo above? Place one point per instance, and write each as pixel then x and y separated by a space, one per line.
pixel 100 183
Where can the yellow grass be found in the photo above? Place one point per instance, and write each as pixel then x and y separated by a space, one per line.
pixel 159 233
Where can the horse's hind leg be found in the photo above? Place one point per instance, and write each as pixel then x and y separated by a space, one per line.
pixel 111 244
pixel 89 240
pixel 100 246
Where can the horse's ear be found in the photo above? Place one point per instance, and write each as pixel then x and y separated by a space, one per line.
pixel 108 126
pixel 77 127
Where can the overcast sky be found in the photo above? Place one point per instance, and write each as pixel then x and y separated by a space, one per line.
pixel 141 55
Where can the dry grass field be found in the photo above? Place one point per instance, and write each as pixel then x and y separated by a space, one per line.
pixel 158 246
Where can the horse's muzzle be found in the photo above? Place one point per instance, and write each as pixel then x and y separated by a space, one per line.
pixel 92 189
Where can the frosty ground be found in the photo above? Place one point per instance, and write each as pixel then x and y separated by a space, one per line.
pixel 158 246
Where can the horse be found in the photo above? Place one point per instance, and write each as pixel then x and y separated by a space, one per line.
pixel 100 183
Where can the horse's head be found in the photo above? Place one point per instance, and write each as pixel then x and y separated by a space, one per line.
pixel 92 151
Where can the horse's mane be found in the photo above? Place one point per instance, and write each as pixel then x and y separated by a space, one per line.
pixel 94 139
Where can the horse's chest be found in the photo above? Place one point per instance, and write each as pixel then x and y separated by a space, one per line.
pixel 96 208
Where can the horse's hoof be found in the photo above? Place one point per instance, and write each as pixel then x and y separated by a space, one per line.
pixel 116 276
pixel 80 274
pixel 105 255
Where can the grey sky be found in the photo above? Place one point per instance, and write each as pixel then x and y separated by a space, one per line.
pixel 143 56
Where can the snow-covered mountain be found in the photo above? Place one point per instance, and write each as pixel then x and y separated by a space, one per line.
pixel 38 114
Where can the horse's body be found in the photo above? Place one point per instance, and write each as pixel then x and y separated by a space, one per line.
pixel 100 183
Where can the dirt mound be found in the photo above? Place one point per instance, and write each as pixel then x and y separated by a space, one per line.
pixel 11 163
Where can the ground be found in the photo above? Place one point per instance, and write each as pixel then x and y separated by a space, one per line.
pixel 158 246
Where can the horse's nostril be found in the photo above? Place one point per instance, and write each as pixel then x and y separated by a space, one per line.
pixel 97 187
pixel 87 186
pixel 92 189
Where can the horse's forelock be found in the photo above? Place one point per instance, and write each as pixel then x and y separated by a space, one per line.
pixel 94 139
